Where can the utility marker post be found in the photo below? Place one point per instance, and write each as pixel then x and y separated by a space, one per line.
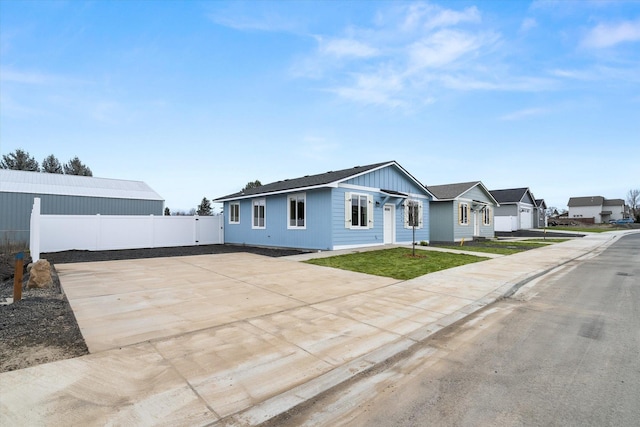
pixel 17 277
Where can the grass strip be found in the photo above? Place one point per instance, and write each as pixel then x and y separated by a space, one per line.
pixel 397 263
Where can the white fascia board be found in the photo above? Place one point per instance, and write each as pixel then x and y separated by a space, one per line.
pixel 271 193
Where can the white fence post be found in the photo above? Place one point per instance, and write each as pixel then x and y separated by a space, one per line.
pixel 34 230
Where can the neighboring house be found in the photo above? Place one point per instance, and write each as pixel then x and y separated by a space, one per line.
pixel 516 211
pixel 68 195
pixel 540 216
pixel 362 206
pixel 461 211
pixel 596 209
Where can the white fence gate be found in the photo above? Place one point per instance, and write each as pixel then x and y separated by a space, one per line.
pixel 53 233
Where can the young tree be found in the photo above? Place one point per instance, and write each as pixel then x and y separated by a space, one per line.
pixel 19 160
pixel 633 200
pixel 204 208
pixel 51 165
pixel 252 184
pixel 167 212
pixel 76 167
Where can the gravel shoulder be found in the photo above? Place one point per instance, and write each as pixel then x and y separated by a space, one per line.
pixel 42 328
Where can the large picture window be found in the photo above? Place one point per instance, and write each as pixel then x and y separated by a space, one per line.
pixel 463 213
pixel 234 213
pixel 297 211
pixel 259 213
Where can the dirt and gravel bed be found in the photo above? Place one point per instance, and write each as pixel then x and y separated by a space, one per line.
pixel 42 328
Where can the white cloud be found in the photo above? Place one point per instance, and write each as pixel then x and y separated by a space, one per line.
pixel 523 114
pixel 429 16
pixel 528 24
pixel 24 77
pixel 442 48
pixel 347 48
pixel 376 89
pixel 607 35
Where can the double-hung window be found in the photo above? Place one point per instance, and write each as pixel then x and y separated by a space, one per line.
pixel 297 211
pixel 358 210
pixel 463 214
pixel 234 213
pixel 486 216
pixel 259 213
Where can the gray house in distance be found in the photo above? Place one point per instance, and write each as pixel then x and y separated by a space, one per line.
pixel 461 211
pixel 517 209
pixel 68 195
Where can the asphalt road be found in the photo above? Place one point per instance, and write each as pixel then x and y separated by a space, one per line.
pixel 564 351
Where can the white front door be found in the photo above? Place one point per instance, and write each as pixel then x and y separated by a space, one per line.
pixel 476 223
pixel 389 224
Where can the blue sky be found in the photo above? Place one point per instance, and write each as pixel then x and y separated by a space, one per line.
pixel 199 98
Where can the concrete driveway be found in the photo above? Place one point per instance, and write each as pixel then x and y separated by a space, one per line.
pixel 119 303
pixel 237 339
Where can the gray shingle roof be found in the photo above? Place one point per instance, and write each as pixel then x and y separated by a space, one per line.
pixel 511 195
pixel 613 202
pixel 308 181
pixel 451 191
pixel 586 201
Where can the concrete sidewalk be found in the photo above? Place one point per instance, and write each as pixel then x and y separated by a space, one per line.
pixel 236 341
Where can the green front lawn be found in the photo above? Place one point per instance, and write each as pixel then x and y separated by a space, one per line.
pixel 397 263
pixel 594 229
pixel 495 246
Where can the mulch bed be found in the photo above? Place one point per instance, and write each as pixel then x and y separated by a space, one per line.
pixel 42 328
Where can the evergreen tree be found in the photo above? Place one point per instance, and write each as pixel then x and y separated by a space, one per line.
pixel 51 165
pixel 19 160
pixel 252 184
pixel 204 208
pixel 76 167
pixel 167 212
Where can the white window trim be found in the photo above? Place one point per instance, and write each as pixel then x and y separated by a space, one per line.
pixel 347 214
pixel 258 202
pixel 296 196
pixel 231 204
pixel 460 216
pixel 486 216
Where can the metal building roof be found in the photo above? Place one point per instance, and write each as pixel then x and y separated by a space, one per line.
pixel 12 181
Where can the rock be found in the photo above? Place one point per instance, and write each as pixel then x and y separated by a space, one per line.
pixel 40 275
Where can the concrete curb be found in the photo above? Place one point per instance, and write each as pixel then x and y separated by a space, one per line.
pixel 284 402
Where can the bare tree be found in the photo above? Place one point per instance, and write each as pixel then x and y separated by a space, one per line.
pixel 19 160
pixel 633 200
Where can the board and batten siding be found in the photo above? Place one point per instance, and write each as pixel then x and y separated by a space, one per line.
pixel 388 178
pixel 345 237
pixel 276 232
pixel 16 210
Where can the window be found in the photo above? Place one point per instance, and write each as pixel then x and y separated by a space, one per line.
pixel 358 211
pixel 463 214
pixel 486 216
pixel 413 214
pixel 234 213
pixel 259 211
pixel 297 211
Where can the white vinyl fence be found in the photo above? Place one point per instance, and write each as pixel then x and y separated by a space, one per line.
pixel 53 233
pixel 505 223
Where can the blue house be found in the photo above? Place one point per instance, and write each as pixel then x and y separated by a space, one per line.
pixel 362 206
